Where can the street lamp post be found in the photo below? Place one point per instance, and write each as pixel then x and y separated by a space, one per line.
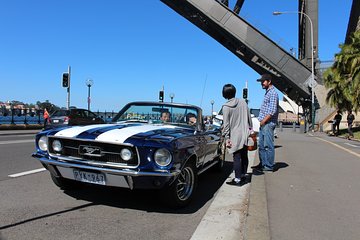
pixel 312 83
pixel 172 95
pixel 89 83
pixel 212 108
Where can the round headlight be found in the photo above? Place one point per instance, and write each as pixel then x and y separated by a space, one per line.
pixel 126 154
pixel 57 146
pixel 43 143
pixel 162 157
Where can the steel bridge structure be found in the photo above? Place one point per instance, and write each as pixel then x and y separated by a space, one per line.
pixel 291 75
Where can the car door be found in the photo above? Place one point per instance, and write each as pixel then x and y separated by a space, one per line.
pixel 78 117
pixel 92 118
pixel 211 144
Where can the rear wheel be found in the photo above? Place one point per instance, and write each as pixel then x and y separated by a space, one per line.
pixel 64 184
pixel 181 191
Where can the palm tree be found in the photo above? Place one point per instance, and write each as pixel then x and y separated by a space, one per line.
pixel 337 95
pixel 343 78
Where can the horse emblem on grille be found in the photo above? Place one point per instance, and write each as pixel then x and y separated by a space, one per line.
pixel 90 151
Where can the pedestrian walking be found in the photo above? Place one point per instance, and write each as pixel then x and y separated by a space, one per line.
pixel 236 129
pixel 350 119
pixel 336 123
pixel 46 117
pixel 268 117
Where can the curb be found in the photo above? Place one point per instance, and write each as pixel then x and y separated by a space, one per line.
pixel 257 221
pixel 18 132
pixel 9 127
pixel 226 216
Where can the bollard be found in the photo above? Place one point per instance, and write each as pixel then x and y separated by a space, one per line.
pixel 321 128
pixel 281 126
pixel 294 126
pixel 12 116
pixel 38 113
pixel 302 126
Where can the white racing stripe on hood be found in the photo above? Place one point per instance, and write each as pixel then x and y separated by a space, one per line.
pixel 74 131
pixel 120 135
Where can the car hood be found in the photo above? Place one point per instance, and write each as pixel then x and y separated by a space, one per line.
pixel 124 132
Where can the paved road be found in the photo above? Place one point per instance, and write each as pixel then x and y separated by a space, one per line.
pixel 16 154
pixel 314 194
pixel 32 207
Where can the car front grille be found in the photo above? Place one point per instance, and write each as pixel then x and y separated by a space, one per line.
pixel 93 151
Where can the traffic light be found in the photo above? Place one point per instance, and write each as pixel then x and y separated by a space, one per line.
pixel 245 93
pixel 161 96
pixel 65 80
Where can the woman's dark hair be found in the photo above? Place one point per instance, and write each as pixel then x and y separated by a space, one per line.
pixel 228 91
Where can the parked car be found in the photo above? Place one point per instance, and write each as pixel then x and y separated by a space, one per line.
pixel 218 119
pixel 73 117
pixel 138 150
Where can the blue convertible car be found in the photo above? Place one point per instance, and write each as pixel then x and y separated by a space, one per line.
pixel 148 145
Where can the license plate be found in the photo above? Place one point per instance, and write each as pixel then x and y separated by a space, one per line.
pixel 89 177
pixel 55 121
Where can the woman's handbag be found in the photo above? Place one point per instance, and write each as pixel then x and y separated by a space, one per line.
pixel 252 141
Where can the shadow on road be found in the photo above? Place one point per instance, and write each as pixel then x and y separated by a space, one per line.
pixel 45 216
pixel 150 200
pixel 146 200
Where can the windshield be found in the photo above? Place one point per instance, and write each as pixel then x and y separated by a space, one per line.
pixel 60 113
pixel 255 111
pixel 159 113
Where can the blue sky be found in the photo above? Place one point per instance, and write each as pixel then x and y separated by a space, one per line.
pixel 131 49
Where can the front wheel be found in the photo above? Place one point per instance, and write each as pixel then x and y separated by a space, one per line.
pixel 181 191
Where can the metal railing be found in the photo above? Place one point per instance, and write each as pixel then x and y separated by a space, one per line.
pixel 106 116
pixel 32 116
pixel 21 116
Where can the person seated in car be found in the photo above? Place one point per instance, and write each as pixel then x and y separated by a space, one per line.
pixel 191 119
pixel 165 117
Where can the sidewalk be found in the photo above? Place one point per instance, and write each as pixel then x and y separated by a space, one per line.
pixel 313 194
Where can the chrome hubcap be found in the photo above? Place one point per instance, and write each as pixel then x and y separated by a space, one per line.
pixel 185 184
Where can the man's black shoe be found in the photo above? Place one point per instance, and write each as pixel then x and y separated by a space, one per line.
pixel 259 166
pixel 267 169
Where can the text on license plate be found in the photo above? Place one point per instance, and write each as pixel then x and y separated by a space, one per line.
pixel 89 177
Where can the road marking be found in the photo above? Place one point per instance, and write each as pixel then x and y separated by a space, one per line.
pixel 336 145
pixel 16 141
pixel 352 145
pixel 27 173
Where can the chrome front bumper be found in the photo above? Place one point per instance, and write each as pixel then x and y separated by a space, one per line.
pixel 64 167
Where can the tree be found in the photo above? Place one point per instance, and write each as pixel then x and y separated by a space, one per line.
pixel 343 78
pixel 48 105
